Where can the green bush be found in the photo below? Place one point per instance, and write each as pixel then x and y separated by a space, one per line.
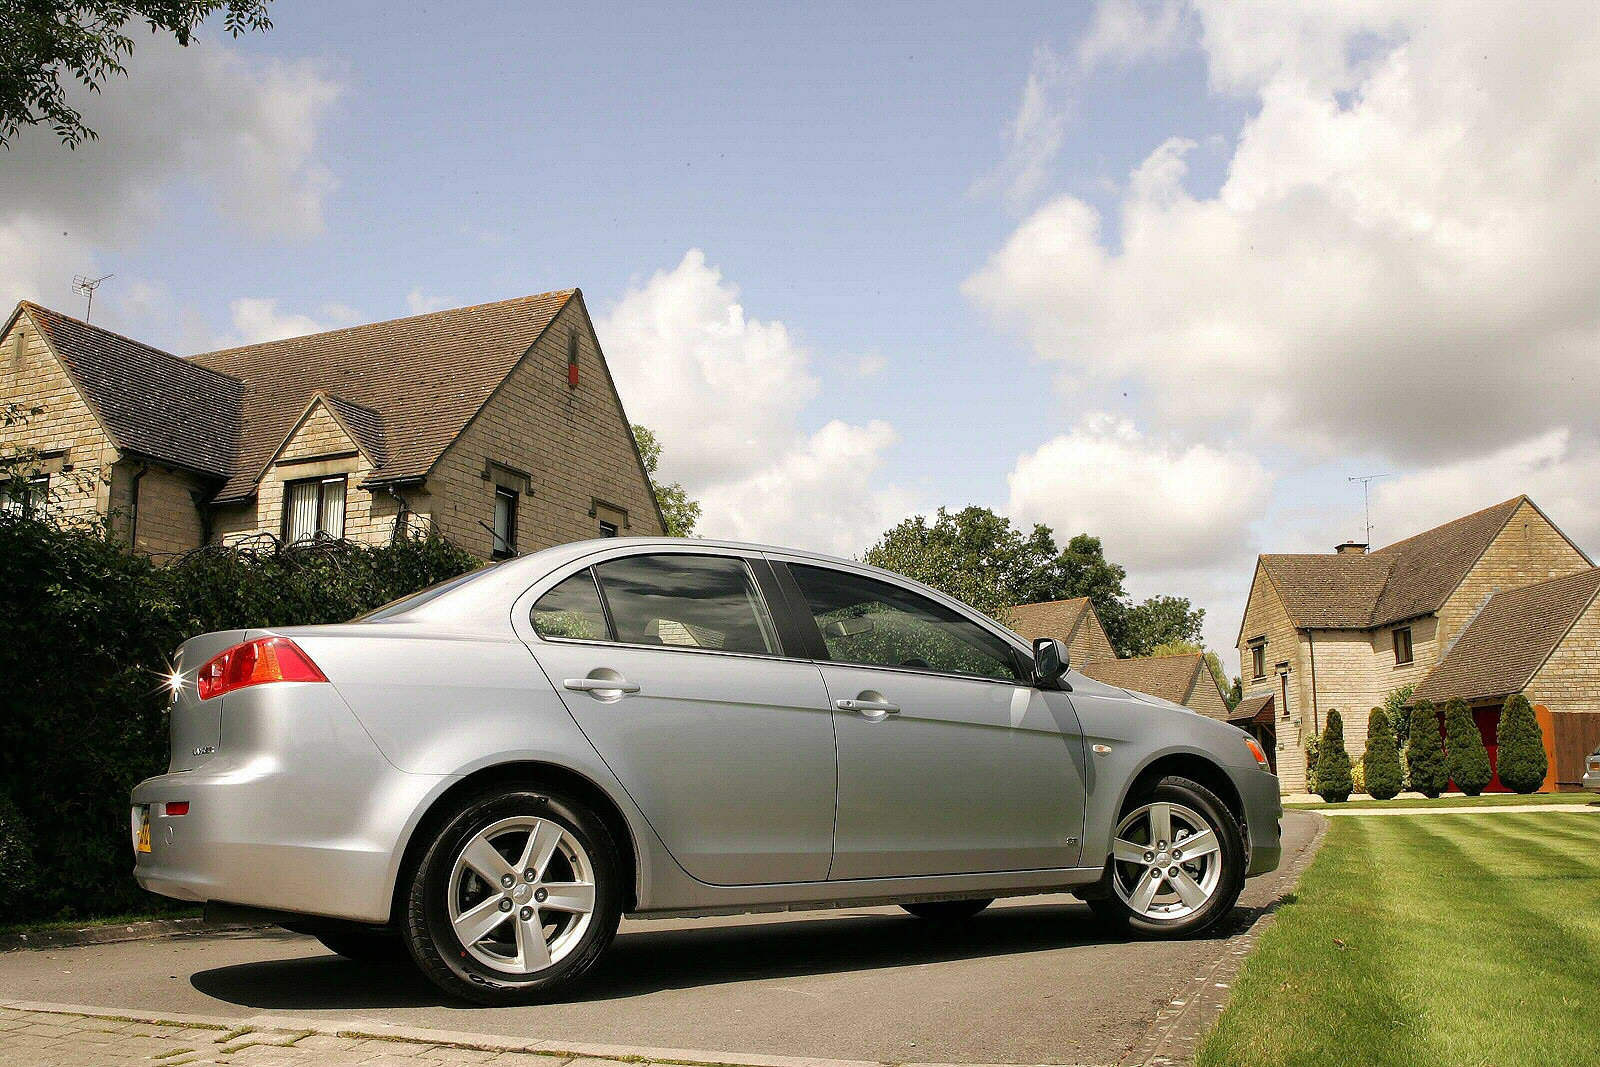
pixel 1358 775
pixel 1313 748
pixel 1520 752
pixel 1333 762
pixel 1466 760
pixel 16 854
pixel 1382 761
pixel 83 654
pixel 1425 755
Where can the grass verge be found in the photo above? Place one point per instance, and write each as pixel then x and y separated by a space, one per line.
pixel 1491 800
pixel 1416 943
pixel 107 920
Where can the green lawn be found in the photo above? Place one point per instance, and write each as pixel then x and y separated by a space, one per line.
pixel 1490 800
pixel 110 920
pixel 1428 942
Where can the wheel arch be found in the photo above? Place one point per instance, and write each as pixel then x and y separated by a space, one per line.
pixel 1195 766
pixel 535 773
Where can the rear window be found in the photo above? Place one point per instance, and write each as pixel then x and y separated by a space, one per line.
pixel 422 596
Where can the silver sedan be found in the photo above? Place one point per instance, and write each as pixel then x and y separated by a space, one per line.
pixel 489 774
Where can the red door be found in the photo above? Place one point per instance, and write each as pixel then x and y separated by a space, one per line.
pixel 1488 722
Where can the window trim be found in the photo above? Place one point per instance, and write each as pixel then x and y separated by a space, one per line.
pixel 319 481
pixel 1258 659
pixel 27 506
pixel 502 492
pixel 1411 649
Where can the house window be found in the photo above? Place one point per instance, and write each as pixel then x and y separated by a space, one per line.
pixel 24 494
pixel 1402 645
pixel 314 508
pixel 505 523
pixel 608 529
pixel 1258 659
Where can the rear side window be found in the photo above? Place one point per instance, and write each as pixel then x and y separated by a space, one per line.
pixel 572 609
pixel 686 601
pixel 877 624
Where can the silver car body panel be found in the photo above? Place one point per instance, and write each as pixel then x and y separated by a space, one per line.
pixel 728 770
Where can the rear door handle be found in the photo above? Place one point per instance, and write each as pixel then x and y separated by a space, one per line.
pixel 869 708
pixel 600 685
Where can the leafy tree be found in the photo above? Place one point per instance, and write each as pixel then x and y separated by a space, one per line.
pixel 1425 754
pixel 1523 762
pixel 1382 761
pixel 1213 661
pixel 1333 762
pixel 1394 706
pixel 1466 760
pixel 1313 751
pixel 44 41
pixel 980 558
pixel 680 512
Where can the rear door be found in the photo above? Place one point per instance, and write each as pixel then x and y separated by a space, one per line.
pixel 950 762
pixel 672 665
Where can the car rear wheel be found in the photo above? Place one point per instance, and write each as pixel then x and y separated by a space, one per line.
pixel 947 910
pixel 1177 863
pixel 516 898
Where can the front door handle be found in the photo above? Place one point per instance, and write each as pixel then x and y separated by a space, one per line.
pixel 872 709
pixel 600 685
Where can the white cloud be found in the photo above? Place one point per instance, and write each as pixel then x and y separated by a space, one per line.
pixel 198 124
pixel 1404 259
pixel 1129 31
pixel 725 393
pixel 1160 507
pixel 256 319
pixel 421 303
pixel 870 366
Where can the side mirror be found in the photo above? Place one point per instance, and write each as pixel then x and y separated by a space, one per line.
pixel 1050 660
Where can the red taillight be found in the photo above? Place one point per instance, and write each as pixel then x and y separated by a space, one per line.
pixel 266 659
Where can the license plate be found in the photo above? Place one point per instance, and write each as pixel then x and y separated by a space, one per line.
pixel 143 842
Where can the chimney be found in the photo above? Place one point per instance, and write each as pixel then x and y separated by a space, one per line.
pixel 1351 548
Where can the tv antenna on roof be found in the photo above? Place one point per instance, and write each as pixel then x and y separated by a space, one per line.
pixel 84 285
pixel 1366 481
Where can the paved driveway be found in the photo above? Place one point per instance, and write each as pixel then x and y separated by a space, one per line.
pixel 1033 981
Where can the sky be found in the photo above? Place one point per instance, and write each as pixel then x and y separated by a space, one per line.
pixel 1171 273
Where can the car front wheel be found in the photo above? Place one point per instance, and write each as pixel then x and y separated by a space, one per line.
pixel 1177 863
pixel 516 899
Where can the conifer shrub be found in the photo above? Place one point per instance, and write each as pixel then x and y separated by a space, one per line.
pixel 1381 764
pixel 1522 760
pixel 1466 760
pixel 1333 762
pixel 1313 745
pixel 1425 753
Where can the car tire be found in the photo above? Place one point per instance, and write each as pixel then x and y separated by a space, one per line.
pixel 1192 892
pixel 536 949
pixel 364 946
pixel 947 910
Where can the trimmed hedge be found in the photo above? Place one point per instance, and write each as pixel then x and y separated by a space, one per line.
pixel 1333 762
pixel 1522 760
pixel 84 650
pixel 1425 753
pixel 1465 757
pixel 1384 775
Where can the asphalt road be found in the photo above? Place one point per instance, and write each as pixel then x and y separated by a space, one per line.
pixel 1033 981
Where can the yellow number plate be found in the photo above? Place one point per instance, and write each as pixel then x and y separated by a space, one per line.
pixel 144 831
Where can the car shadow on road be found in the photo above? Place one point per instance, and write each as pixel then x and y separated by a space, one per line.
pixel 644 960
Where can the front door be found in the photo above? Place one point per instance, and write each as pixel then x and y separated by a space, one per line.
pixel 671 665
pixel 949 762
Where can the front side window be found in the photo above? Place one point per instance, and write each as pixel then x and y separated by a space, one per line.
pixel 685 601
pixel 1258 660
pixel 877 624
pixel 314 508
pixel 505 523
pixel 25 495
pixel 1402 645
pixel 572 610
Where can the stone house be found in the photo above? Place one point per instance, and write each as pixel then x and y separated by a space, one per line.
pixel 1344 629
pixel 1543 641
pixel 1074 622
pixel 1181 679
pixel 497 426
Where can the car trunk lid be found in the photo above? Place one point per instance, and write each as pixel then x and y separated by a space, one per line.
pixel 196 725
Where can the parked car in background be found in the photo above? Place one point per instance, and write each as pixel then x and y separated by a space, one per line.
pixel 1591 770
pixel 493 771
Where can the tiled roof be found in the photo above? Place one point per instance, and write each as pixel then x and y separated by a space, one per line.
pixel 1251 707
pixel 149 401
pixel 410 385
pixel 365 423
pixel 1402 581
pixel 1049 618
pixel 1509 640
pixel 1168 677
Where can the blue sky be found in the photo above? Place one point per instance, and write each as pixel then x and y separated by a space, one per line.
pixel 1167 272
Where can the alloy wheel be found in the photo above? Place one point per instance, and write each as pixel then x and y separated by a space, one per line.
pixel 521 894
pixel 1167 861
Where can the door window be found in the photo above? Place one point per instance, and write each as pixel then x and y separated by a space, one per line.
pixel 572 610
pixel 686 601
pixel 877 624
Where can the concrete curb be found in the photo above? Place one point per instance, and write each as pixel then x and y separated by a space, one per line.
pixel 382 1031
pixel 110 935
pixel 1174 1037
